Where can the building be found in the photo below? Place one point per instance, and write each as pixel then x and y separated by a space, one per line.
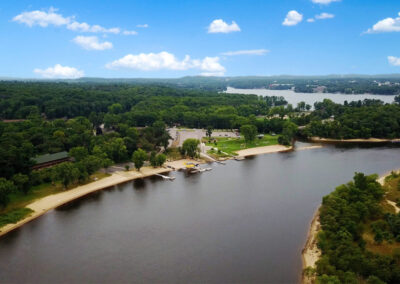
pixel 49 160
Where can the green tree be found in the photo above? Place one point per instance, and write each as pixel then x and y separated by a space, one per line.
pixel 78 153
pixel 209 132
pixel 153 159
pixel 191 147
pixel 138 157
pixel 6 187
pixel 67 173
pixel 160 159
pixel 249 132
pixel 21 181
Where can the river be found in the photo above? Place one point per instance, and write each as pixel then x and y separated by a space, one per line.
pixel 242 222
pixel 309 98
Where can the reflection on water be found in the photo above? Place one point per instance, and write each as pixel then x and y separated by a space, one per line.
pixel 242 222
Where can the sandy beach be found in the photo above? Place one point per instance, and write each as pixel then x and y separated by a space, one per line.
pixel 370 140
pixel 311 253
pixel 50 202
pixel 263 150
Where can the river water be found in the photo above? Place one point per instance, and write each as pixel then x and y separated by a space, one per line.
pixel 309 98
pixel 245 222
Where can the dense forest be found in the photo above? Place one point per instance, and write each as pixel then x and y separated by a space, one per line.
pixel 362 119
pixel 351 84
pixel 99 124
pixel 347 216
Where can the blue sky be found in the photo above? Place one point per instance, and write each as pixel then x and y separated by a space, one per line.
pixel 67 39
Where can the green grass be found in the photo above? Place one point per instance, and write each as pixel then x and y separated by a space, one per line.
pixel 231 145
pixel 14 216
pixel 19 200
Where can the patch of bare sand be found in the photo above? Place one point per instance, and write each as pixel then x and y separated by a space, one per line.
pixel 263 150
pixel 50 202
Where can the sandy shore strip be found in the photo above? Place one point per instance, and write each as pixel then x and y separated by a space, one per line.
pixel 263 150
pixel 50 202
pixel 370 140
pixel 311 253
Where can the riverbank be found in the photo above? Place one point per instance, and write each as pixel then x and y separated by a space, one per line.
pixel 45 204
pixel 311 253
pixel 369 140
pixel 50 202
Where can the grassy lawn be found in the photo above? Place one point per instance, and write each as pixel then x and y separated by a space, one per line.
pixel 16 210
pixel 231 145
pixel 14 216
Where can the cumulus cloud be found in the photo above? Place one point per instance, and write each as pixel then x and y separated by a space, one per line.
pixel 51 18
pixel 311 20
pixel 395 61
pixel 219 26
pixel 292 18
pixel 246 52
pixel 324 2
pixel 92 43
pixel 168 61
pixel 59 71
pixel 386 25
pixel 41 18
pixel 142 26
pixel 324 16
pixel 129 33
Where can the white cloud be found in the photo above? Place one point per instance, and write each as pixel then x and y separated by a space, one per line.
pixel 51 18
pixel 395 61
pixel 246 52
pixel 324 2
pixel 86 28
pixel 324 16
pixel 129 32
pixel 142 26
pixel 41 18
pixel 219 26
pixel 92 43
pixel 292 18
pixel 59 71
pixel 386 25
pixel 167 61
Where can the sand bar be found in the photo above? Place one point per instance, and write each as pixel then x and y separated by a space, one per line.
pixel 263 150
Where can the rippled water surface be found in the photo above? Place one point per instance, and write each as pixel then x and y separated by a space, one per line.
pixel 243 222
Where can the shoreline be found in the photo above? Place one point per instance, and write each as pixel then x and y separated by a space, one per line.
pixel 50 202
pixel 357 140
pixel 311 253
